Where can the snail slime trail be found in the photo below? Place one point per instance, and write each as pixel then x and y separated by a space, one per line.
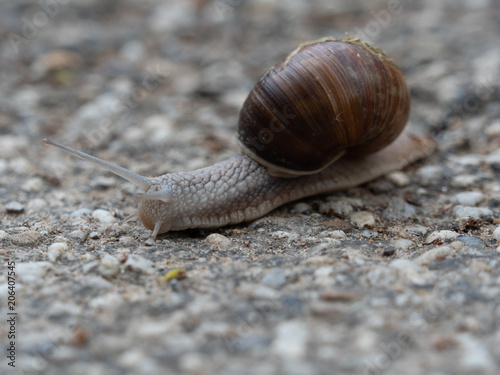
pixel 350 104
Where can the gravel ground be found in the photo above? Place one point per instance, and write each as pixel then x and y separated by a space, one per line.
pixel 398 276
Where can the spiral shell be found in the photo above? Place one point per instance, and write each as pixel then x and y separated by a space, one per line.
pixel 328 98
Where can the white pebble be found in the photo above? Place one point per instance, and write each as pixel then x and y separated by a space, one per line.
pixel 496 234
pixel 469 198
pixel 441 235
pixel 139 264
pixel 493 129
pixel 218 241
pixel 80 212
pixel 31 272
pixel 33 184
pixel 36 204
pixel 109 265
pixel 103 216
pixel 433 255
pixel 468 211
pixel 291 340
pixel 401 243
pixel 430 172
pixel 399 178
pixel 55 251
pixel 362 218
pixel 78 234
pixel 464 180
pixel 338 234
pixel 14 207
pixel 94 235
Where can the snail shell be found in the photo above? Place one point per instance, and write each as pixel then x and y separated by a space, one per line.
pixel 327 98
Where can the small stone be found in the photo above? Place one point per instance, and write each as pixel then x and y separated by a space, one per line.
pixel 430 173
pixel 33 184
pixel 94 235
pixel 127 240
pixel 77 234
pixel 362 219
pixel 387 252
pixel 103 216
pixel 55 251
pixel 493 129
pixel 442 235
pixel 469 198
pixel 32 272
pixel 80 212
pixel 139 264
pixel 468 211
pixel 275 278
pixel 149 242
pixel 36 204
pixel 398 209
pixel 464 180
pixel 291 340
pixel 109 266
pixel 433 255
pixel 401 243
pixel 337 234
pixel 218 241
pixel 14 207
pixel 399 178
pixel 29 238
pixel 496 234
pixel 471 241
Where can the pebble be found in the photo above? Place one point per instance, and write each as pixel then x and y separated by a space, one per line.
pixel 337 234
pixel 36 204
pixel 32 272
pixel 401 243
pixel 442 235
pixel 139 264
pixel 275 278
pixel 434 255
pixel 464 180
pixel 55 251
pixel 14 207
pixel 430 173
pixel 218 241
pixel 341 206
pixel 94 235
pixel 291 339
pixel 471 241
pixel 476 357
pixel 127 240
pixel 399 178
pixel 104 216
pixel 29 238
pixel 469 198
pixel 77 234
pixel 496 233
pixel 34 184
pixel 81 212
pixel 398 209
pixel 109 266
pixel 468 211
pixel 362 219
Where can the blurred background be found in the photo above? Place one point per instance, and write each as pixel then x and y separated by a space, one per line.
pixel 165 75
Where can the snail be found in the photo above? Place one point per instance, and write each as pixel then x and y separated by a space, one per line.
pixel 327 117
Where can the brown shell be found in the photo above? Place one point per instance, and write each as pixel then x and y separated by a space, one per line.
pixel 327 98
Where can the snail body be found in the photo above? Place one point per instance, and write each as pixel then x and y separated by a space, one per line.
pixel 295 101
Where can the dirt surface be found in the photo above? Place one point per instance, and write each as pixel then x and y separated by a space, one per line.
pixel 398 276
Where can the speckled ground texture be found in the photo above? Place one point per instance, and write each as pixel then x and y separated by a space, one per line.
pixel 398 276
